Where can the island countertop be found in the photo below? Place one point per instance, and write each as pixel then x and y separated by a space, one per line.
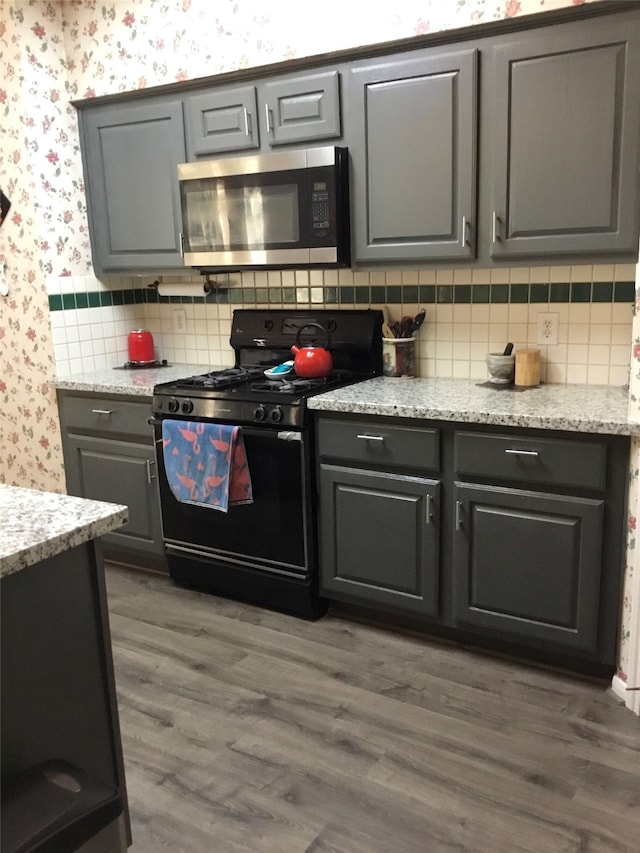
pixel 577 408
pixel 36 525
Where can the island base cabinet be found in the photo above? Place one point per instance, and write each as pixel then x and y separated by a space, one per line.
pixel 378 538
pixel 528 565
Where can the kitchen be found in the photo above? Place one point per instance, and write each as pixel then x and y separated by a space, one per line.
pixel 49 227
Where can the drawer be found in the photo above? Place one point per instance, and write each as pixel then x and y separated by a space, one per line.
pixel 106 416
pixel 536 461
pixel 379 445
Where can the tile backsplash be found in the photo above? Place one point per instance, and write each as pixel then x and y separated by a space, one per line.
pixel 469 312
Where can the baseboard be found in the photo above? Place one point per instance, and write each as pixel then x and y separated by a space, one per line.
pixel 619 688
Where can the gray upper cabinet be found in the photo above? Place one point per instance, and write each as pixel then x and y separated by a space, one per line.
pixel 221 120
pixel 564 152
pixel 130 153
pixel 414 157
pixel 276 112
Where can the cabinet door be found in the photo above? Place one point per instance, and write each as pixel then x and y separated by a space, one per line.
pixel 379 538
pixel 528 564
pixel 221 120
pixel 120 472
pixel 130 153
pixel 565 119
pixel 414 158
pixel 302 108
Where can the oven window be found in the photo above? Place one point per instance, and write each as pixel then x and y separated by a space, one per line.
pixel 273 529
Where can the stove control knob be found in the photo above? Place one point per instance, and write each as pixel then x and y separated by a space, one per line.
pixel 173 405
pixel 187 407
pixel 260 413
pixel 276 415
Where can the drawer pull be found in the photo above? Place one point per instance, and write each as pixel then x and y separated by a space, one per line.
pixel 523 452
pixel 102 411
pixel 429 509
pixel 458 515
pixel 366 437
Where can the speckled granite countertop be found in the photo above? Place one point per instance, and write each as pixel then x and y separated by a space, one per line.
pixel 36 525
pixel 137 383
pixel 577 408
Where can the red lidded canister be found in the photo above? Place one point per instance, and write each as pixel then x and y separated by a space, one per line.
pixel 141 349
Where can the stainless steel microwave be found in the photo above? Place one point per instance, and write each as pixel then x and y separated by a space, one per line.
pixel 286 209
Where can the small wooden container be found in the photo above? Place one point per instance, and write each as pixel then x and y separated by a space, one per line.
pixel 527 367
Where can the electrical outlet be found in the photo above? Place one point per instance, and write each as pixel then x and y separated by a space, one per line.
pixel 180 319
pixel 547 330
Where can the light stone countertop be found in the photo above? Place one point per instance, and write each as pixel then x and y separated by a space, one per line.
pixel 576 408
pixel 36 525
pixel 137 383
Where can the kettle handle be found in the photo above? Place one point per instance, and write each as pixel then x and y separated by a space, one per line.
pixel 316 326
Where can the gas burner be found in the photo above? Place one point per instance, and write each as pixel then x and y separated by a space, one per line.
pixel 289 385
pixel 221 378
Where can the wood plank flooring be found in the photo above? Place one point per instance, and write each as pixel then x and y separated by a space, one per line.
pixel 247 730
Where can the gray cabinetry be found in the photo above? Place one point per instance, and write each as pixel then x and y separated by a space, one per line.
pixel 290 109
pixel 527 560
pixel 414 157
pixel 109 455
pixel 130 153
pixel 379 515
pixel 564 141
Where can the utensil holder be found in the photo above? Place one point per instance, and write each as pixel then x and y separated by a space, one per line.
pixel 399 357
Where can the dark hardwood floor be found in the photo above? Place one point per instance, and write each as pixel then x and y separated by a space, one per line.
pixel 247 730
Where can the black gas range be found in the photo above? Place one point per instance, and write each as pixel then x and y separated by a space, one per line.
pixel 263 551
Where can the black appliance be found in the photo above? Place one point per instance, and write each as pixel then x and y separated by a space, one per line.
pixel 285 209
pixel 264 552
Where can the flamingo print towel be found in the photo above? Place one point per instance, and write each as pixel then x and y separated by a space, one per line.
pixel 206 464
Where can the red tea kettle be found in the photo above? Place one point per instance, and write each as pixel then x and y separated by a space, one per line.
pixel 312 362
pixel 140 343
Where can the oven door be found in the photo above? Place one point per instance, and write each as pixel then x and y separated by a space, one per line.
pixel 274 533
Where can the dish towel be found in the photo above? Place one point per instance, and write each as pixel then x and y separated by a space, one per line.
pixel 206 464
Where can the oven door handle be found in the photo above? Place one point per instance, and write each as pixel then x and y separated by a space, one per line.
pixel 153 422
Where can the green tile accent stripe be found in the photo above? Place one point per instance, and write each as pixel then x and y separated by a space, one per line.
pixel 427 294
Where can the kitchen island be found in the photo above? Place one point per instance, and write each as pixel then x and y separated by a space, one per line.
pixel 58 691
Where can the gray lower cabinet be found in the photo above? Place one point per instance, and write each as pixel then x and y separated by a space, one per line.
pixel 289 109
pixel 380 515
pixel 528 564
pixel 564 117
pixel 510 537
pixel 109 455
pixel 130 154
pixel 414 156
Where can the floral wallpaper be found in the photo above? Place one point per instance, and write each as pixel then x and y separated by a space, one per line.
pixel 53 52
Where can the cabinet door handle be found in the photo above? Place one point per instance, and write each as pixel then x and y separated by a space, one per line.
pixel 523 452
pixel 181 244
pixel 267 112
pixel 458 515
pixel 494 227
pixel 150 476
pixel 366 437
pixel 102 411
pixel 463 230
pixel 246 121
pixel 428 509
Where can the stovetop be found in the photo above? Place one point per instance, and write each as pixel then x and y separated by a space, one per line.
pixel 262 339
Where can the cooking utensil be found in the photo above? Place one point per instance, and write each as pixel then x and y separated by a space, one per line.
pixel 387 331
pixel 406 325
pixel 312 362
pixel 418 320
pixel 140 346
